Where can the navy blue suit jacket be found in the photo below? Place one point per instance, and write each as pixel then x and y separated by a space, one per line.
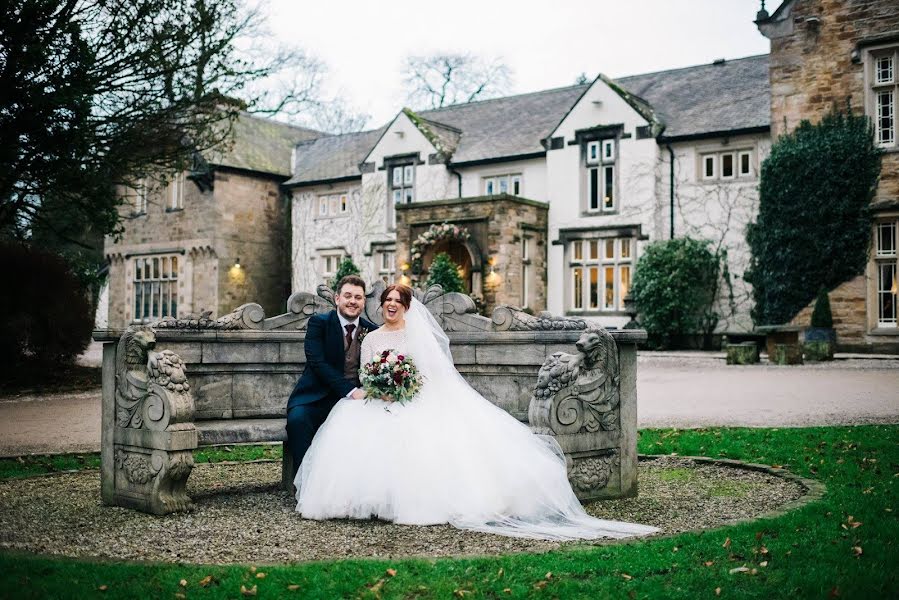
pixel 323 376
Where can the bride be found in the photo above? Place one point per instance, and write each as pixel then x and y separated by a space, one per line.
pixel 447 456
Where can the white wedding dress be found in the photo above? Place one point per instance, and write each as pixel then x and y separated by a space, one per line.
pixel 447 456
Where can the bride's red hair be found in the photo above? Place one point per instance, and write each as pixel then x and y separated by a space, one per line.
pixel 404 291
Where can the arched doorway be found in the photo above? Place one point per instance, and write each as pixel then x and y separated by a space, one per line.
pixel 459 254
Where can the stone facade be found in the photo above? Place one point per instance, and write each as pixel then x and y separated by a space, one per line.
pixel 242 217
pixel 820 59
pixel 498 226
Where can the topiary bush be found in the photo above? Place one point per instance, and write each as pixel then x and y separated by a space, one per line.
pixel 47 315
pixel 814 222
pixel 445 272
pixel 821 315
pixel 347 267
pixel 674 289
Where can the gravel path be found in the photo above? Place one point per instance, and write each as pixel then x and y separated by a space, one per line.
pixel 241 516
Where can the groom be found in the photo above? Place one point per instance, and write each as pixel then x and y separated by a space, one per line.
pixel 333 341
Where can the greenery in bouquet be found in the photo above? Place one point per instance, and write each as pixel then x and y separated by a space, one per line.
pixel 392 376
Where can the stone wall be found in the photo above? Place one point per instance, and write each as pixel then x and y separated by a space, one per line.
pixel 497 224
pixel 243 216
pixel 817 62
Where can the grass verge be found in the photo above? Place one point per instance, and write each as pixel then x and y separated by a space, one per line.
pixel 844 546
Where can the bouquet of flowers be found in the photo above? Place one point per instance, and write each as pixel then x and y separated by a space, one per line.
pixel 390 375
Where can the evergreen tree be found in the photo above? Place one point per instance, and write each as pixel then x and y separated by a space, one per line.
pixel 445 272
pixel 347 267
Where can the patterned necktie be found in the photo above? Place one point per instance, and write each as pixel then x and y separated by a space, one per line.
pixel 349 334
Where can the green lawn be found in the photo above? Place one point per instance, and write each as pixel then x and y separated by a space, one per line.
pixel 844 546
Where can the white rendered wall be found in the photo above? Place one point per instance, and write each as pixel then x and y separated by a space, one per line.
pixel 635 168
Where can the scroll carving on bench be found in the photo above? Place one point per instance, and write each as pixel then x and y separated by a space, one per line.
pixel 577 400
pixel 154 435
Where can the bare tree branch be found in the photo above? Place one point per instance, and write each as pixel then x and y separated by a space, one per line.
pixel 443 79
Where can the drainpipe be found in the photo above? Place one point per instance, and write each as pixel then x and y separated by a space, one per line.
pixel 457 174
pixel 671 188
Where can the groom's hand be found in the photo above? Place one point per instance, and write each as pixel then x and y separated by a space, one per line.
pixel 358 394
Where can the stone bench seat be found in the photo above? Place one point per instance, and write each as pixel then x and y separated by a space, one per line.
pixel 218 432
pixel 240 431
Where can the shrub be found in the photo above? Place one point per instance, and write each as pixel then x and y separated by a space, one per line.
pixel 814 222
pixel 821 315
pixel 675 286
pixel 47 315
pixel 347 267
pixel 445 272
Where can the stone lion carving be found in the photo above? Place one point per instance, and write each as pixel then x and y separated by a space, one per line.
pixel 151 393
pixel 579 393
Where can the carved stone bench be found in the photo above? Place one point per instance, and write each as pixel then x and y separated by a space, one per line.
pixel 226 381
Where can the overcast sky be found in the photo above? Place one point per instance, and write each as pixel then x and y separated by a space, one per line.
pixel 546 43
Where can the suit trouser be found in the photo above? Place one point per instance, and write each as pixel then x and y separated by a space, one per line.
pixel 303 422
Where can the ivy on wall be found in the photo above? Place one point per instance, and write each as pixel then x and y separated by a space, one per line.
pixel 814 224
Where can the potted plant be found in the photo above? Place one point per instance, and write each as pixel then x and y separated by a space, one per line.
pixel 820 338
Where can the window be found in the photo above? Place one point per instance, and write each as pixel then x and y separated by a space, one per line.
pixel 333 205
pixel 600 271
pixel 884 91
pixel 527 270
pixel 155 289
pixel 176 192
pixel 140 196
pixel 386 262
pixel 726 166
pixel 885 260
pixel 601 196
pixel 503 184
pixel 402 189
pixel 329 262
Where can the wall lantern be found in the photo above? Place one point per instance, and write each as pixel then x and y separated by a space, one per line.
pixel 237 263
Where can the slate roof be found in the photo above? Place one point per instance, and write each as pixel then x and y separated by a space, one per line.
pixel 332 156
pixel 504 127
pixel 707 99
pixel 693 101
pixel 261 145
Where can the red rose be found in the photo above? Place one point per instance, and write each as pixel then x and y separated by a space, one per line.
pixel 401 357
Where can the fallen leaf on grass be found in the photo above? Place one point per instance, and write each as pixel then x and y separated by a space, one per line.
pixel 376 588
pixel 500 573
pixel 626 576
pixel 103 588
pixel 260 575
pixel 540 585
pixel 763 550
pixel 207 580
pixel 834 592
pixel 717 591
pixel 726 543
pixel 549 575
pixel 461 593
pixel 391 572
pixel 709 563
pixel 739 570
pixel 857 550
pixel 293 587
pixel 180 596
pixel 248 592
pixel 507 590
pixel 764 563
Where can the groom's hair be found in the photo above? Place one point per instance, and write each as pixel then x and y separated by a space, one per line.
pixel 405 293
pixel 350 280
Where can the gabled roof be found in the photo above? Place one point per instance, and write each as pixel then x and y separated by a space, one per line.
pixel 332 157
pixel 505 127
pixel 444 138
pixel 722 97
pixel 261 145
pixel 705 100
